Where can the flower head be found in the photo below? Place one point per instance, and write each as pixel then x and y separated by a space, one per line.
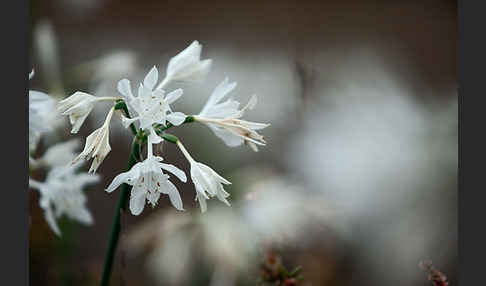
pixel 41 107
pixel 62 193
pixel 77 107
pixel 58 155
pixel 208 183
pixel 187 66
pixel 223 118
pixel 97 144
pixel 149 182
pixel 151 105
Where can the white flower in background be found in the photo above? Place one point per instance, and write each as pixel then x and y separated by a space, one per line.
pixel 207 182
pixel 78 106
pixel 60 154
pixel 223 118
pixel 187 66
pixel 61 193
pixel 279 211
pixel 151 105
pixel 111 65
pixel 97 144
pixel 218 237
pixel 149 182
pixel 41 107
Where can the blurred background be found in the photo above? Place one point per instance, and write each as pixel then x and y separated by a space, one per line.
pixel 357 183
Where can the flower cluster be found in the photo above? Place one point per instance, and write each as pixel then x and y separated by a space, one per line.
pixel 62 191
pixel 41 106
pixel 149 115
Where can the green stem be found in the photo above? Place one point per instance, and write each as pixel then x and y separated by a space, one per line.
pixel 116 226
pixel 122 202
pixel 120 104
pixel 125 188
pixel 169 137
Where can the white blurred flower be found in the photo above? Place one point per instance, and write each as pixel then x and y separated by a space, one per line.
pixel 60 154
pixel 277 210
pixel 61 193
pixel 45 42
pixel 206 181
pixel 41 107
pixel 78 106
pixel 151 105
pixel 113 65
pixel 223 118
pixel 97 144
pixel 149 182
pixel 187 66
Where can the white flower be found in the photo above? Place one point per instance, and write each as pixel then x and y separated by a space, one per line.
pixel 97 144
pixel 41 107
pixel 78 106
pixel 112 65
pixel 62 193
pixel 207 182
pixel 151 105
pixel 60 154
pixel 187 66
pixel 223 118
pixel 149 182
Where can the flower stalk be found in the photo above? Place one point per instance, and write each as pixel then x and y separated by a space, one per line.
pixel 116 226
pixel 121 105
pixel 122 202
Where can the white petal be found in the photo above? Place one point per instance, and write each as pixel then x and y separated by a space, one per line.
pixel 38 96
pixel 211 173
pixel 127 121
pixel 159 93
pixel 226 109
pixel 51 220
pixel 252 145
pixel 77 122
pixel 125 177
pixel 252 102
pixel 125 88
pixel 82 179
pixel 176 118
pixel 151 78
pixel 222 90
pixel 174 170
pixel 204 68
pixel 137 200
pixel 254 125
pixel 228 138
pixel 144 92
pixel 174 95
pixel 218 94
pixel 82 215
pixel 188 56
pixel 174 196
pixel 202 202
